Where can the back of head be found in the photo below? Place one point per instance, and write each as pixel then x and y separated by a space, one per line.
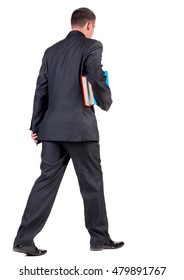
pixel 81 16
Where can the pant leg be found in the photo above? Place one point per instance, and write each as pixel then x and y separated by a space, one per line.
pixel 87 164
pixel 54 162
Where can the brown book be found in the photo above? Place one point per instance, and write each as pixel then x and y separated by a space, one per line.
pixel 87 92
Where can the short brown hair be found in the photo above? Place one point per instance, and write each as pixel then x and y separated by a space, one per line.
pixel 81 16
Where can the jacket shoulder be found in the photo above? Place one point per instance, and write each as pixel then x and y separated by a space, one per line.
pixel 93 42
pixel 54 46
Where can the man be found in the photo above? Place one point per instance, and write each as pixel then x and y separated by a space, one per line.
pixel 68 130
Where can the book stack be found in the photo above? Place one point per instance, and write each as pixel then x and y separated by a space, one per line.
pixel 87 91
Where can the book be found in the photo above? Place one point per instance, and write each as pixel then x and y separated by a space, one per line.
pixel 87 91
pixel 106 77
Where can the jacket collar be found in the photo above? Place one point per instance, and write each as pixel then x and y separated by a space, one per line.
pixel 75 33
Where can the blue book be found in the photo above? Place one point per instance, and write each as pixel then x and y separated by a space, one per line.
pixel 106 77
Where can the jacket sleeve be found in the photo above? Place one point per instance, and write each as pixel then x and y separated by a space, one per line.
pixel 96 76
pixel 40 103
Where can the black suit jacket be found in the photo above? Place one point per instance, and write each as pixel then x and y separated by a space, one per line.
pixel 58 111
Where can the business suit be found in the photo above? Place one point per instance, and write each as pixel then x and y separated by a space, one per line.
pixel 68 130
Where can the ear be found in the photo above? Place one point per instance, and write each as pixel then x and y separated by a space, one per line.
pixel 88 25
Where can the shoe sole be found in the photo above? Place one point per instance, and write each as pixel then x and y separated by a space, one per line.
pixel 28 254
pixel 105 248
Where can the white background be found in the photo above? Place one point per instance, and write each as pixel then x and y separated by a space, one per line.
pixel 141 136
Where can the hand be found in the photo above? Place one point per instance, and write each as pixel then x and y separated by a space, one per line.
pixel 34 137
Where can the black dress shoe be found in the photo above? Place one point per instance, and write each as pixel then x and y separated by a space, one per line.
pixel 109 245
pixel 29 250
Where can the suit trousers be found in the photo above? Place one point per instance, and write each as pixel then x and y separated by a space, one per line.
pixel 54 160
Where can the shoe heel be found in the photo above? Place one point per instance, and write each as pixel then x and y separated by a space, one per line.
pixel 96 248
